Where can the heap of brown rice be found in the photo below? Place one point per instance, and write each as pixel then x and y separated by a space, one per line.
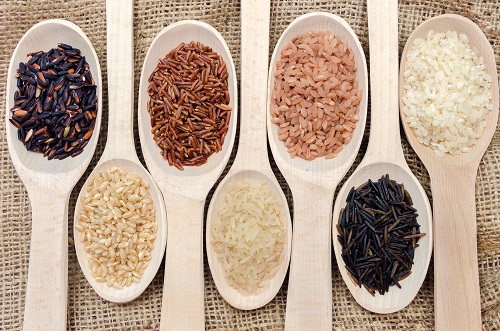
pixel 315 97
pixel 117 227
pixel 249 235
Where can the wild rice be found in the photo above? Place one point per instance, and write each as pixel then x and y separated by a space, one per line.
pixel 315 98
pixel 55 105
pixel 189 104
pixel 117 227
pixel 248 235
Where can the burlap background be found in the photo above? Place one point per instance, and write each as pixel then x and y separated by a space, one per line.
pixel 87 311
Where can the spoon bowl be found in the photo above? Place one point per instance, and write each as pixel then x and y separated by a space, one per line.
pixel 131 292
pixel 49 184
pixel 44 36
pixel 251 161
pixel 313 183
pixel 385 156
pixel 229 293
pixel 457 303
pixel 477 41
pixel 395 299
pixel 120 151
pixel 319 21
pixel 184 191
pixel 168 39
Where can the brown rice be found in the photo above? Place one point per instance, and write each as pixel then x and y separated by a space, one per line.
pixel 315 97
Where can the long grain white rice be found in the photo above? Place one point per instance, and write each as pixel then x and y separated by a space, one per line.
pixel 249 235
pixel 446 93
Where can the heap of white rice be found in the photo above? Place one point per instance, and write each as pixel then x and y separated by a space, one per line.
pixel 447 93
pixel 248 235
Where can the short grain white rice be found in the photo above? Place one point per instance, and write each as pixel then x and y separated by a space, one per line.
pixel 249 235
pixel 446 93
pixel 117 227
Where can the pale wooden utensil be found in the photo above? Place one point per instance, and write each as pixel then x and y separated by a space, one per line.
pixel 184 191
pixel 385 156
pixel 457 303
pixel 120 150
pixel 49 184
pixel 252 160
pixel 313 183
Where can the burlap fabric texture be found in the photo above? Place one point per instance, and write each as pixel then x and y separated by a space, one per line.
pixel 87 311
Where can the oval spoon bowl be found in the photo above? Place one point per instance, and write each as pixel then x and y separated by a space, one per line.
pixel 478 41
pixel 229 293
pixel 396 298
pixel 168 39
pixel 131 292
pixel 320 22
pixel 42 37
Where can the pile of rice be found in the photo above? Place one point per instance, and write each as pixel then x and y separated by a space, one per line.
pixel 446 93
pixel 248 235
pixel 117 226
pixel 315 97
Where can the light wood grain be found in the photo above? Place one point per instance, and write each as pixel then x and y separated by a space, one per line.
pixel 120 150
pixel 456 279
pixel 385 156
pixel 49 184
pixel 251 160
pixel 313 183
pixel 184 191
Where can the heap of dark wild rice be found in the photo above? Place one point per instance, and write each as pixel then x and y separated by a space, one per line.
pixel 378 232
pixel 55 106
pixel 189 104
pixel 315 97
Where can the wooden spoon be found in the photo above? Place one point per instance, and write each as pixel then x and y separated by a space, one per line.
pixel 456 279
pixel 49 184
pixel 184 191
pixel 313 183
pixel 252 160
pixel 385 156
pixel 120 151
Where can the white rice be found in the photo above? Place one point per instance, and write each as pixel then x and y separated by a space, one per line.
pixel 446 93
pixel 248 235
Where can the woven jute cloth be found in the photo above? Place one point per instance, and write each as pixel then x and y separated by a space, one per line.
pixel 87 311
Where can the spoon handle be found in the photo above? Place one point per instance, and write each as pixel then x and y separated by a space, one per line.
pixel 456 276
pixel 183 306
pixel 309 298
pixel 47 286
pixel 120 61
pixel 252 146
pixel 384 144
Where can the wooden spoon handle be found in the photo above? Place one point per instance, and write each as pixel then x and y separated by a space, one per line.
pixel 47 287
pixel 120 61
pixel 183 306
pixel 252 146
pixel 456 278
pixel 309 299
pixel 384 144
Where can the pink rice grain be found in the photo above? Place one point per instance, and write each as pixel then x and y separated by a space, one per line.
pixel 315 97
